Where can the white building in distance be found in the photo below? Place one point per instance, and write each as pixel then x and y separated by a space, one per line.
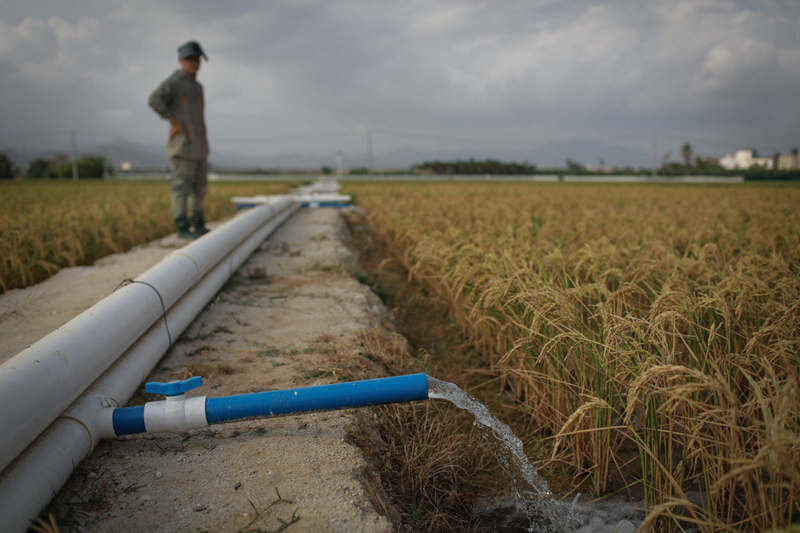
pixel 744 159
pixel 789 161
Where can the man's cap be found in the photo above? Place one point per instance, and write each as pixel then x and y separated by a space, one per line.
pixel 192 48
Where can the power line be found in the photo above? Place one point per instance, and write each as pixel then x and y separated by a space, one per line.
pixel 369 150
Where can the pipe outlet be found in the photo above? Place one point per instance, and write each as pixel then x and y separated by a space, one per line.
pixel 178 413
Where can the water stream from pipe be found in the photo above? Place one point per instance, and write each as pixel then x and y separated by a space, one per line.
pixel 531 494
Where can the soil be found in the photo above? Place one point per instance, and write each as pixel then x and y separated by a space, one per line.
pixel 293 315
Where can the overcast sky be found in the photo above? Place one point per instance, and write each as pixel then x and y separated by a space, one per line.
pixel 304 76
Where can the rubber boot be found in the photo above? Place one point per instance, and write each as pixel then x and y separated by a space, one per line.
pixel 199 225
pixel 182 223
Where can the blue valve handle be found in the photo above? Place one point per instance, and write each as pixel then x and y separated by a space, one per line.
pixel 173 388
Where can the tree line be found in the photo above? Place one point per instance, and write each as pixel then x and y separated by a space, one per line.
pixel 473 166
pixel 96 167
pixel 59 166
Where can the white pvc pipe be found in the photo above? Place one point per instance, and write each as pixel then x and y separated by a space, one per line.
pixel 36 475
pixel 37 384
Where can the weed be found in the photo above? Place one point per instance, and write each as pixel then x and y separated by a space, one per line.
pixel 198 350
pixel 284 524
pixel 269 351
pixel 373 284
pixel 226 369
pixel 318 373
pixel 325 267
pixel 49 526
pixel 207 335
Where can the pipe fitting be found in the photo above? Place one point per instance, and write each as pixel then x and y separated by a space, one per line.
pixel 176 413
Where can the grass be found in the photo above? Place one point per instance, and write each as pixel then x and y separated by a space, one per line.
pixel 432 462
pixel 47 225
pixel 317 373
pixel 269 351
pixel 373 284
pixel 649 332
pixel 432 483
pixel 199 350
pixel 207 335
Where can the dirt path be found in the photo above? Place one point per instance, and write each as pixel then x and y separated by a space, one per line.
pixel 292 316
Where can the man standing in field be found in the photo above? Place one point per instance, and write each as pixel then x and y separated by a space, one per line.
pixel 179 99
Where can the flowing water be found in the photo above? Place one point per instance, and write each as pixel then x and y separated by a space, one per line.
pixel 532 501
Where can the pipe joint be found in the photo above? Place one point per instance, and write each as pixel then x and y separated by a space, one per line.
pixel 176 413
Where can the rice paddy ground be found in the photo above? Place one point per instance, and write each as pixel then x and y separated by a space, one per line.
pixel 50 224
pixel 648 332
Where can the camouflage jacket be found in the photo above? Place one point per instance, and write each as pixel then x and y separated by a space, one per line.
pixel 180 96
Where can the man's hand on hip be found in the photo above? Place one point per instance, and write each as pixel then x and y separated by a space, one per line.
pixel 174 127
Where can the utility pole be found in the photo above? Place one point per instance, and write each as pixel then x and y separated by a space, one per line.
pixel 72 155
pixel 369 150
pixel 655 155
pixel 339 169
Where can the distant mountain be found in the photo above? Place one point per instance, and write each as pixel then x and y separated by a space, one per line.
pixel 154 155
pixel 117 152
pixel 138 155
pixel 550 154
pixel 246 161
pixel 20 157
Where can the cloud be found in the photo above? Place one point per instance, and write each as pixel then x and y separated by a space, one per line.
pixel 718 73
pixel 34 43
pixel 789 59
pixel 444 18
pixel 30 41
pixel 725 61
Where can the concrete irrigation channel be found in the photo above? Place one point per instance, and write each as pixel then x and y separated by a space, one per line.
pixel 291 315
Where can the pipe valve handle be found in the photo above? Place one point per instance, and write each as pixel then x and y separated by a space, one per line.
pixel 173 388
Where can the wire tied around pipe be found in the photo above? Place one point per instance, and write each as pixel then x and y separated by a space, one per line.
pixel 128 281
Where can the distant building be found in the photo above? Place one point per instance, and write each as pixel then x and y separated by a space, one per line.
pixel 126 166
pixel 788 162
pixel 744 159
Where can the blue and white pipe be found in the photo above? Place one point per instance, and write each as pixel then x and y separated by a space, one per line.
pixel 179 413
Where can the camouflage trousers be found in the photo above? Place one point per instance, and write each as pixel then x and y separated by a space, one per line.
pixel 189 182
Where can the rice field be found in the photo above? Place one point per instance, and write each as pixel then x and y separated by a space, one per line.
pixel 48 225
pixel 652 332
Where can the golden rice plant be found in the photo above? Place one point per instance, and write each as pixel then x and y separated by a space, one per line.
pixel 47 225
pixel 650 330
